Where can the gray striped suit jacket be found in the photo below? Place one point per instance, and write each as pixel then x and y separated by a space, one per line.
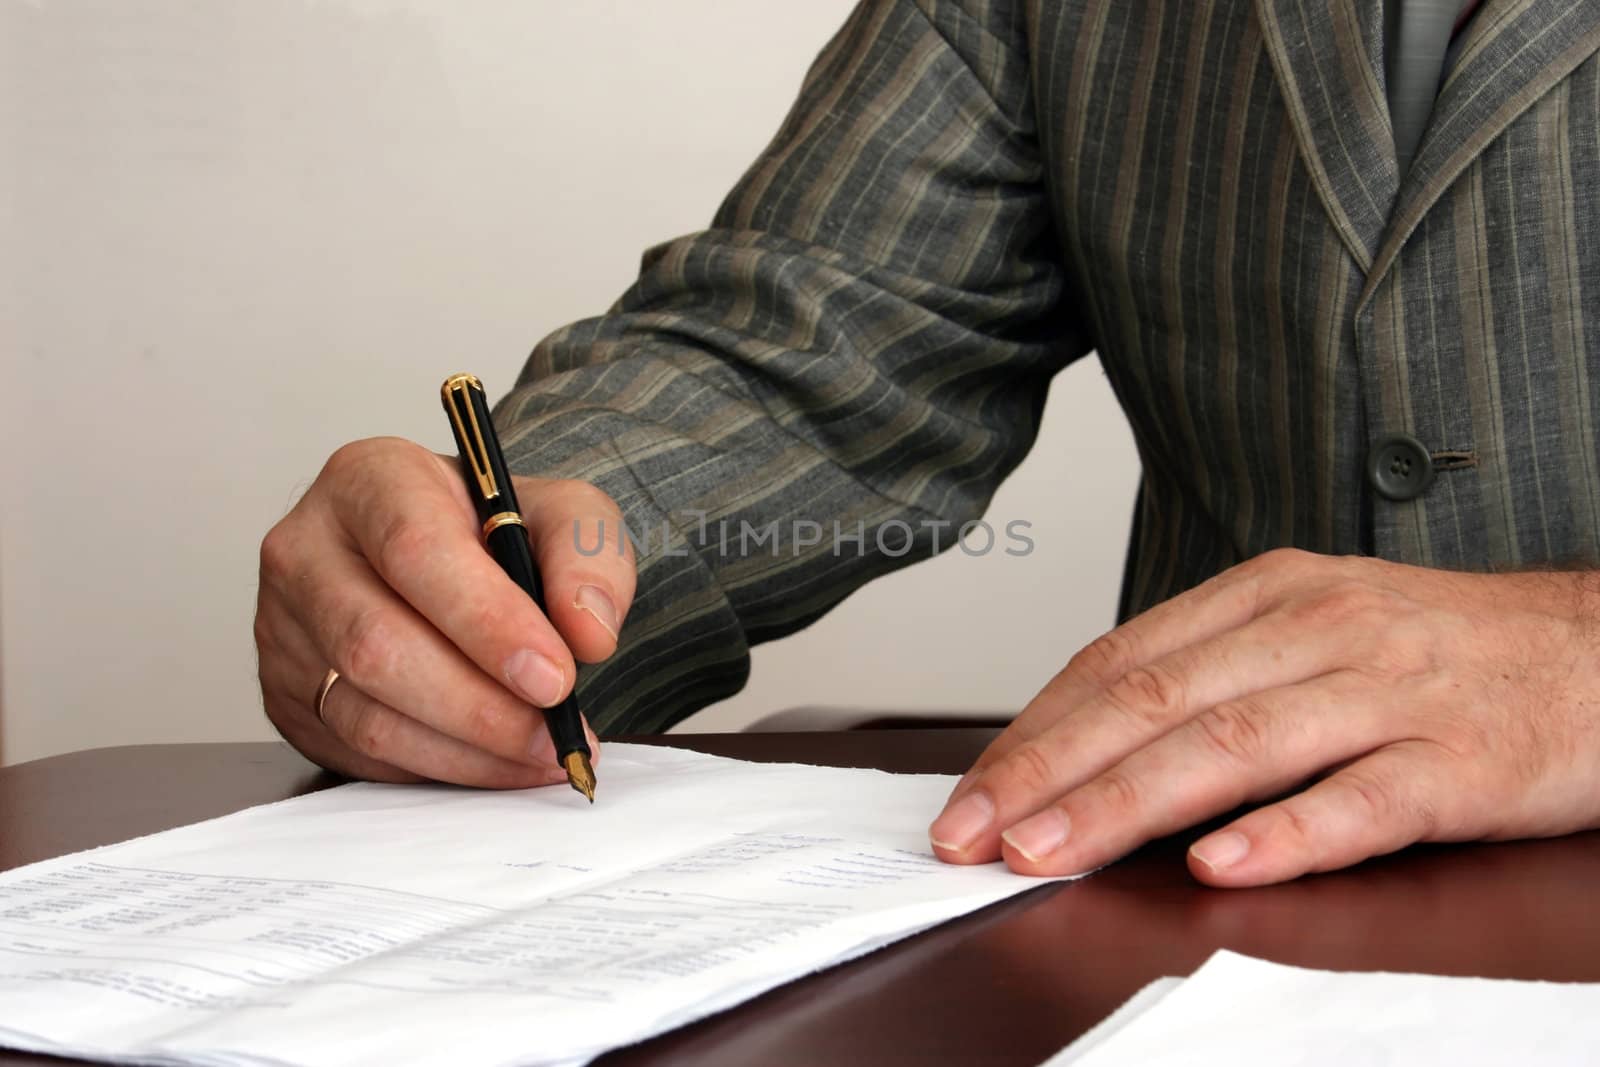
pixel 970 194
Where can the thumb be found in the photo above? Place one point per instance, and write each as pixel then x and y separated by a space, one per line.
pixel 585 560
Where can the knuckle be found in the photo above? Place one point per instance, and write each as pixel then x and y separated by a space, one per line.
pixel 574 501
pixel 496 617
pixel 479 725
pixel 591 523
pixel 405 547
pixel 368 645
pixel 369 457
pixel 349 458
pixel 1118 790
pixel 1029 768
pixel 1149 694
pixel 278 553
pixel 1238 731
pixel 1278 564
pixel 1298 826
pixel 370 731
pixel 600 540
pixel 1367 792
pixel 1379 799
pixel 1106 658
pixel 265 638
pixel 1287 558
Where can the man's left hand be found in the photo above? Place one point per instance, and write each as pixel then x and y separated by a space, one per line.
pixel 1393 704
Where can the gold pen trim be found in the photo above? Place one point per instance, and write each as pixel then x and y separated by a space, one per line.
pixel 458 380
pixel 504 518
pixel 456 387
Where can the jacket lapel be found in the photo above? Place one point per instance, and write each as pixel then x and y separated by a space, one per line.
pixel 1326 55
pixel 1515 52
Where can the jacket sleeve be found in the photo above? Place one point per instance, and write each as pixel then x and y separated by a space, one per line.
pixel 831 379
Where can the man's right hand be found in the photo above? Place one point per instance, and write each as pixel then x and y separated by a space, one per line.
pixel 379 573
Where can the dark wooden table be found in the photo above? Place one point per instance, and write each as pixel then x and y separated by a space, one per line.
pixel 1008 985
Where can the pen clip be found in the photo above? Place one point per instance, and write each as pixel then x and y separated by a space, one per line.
pixel 469 434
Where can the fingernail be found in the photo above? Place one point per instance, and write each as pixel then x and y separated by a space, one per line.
pixel 593 599
pixel 1039 835
pixel 962 823
pixel 536 677
pixel 1221 851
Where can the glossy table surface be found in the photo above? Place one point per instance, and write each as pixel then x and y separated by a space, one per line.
pixel 1008 985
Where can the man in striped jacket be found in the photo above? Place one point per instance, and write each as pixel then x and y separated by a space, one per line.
pixel 1341 262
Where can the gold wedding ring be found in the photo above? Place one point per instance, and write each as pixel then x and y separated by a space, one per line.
pixel 322 692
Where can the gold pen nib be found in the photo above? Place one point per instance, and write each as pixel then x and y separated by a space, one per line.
pixel 580 775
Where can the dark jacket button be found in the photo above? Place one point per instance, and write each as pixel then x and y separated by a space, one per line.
pixel 1399 467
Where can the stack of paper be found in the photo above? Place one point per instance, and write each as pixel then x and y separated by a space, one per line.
pixel 1239 1012
pixel 398 925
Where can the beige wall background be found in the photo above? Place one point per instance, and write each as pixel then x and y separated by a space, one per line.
pixel 238 233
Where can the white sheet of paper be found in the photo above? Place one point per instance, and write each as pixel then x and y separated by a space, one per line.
pixel 1241 1012
pixel 431 925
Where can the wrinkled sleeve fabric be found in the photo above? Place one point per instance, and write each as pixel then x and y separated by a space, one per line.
pixel 835 375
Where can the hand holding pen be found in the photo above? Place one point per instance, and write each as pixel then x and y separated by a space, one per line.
pixel 505 534
pixel 380 572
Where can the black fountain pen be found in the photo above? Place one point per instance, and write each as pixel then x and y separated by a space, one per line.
pixel 506 536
